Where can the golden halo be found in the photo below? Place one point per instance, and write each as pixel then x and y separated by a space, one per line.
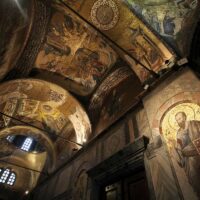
pixel 169 125
pixel 187 109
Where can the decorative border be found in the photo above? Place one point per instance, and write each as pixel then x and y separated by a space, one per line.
pixel 99 96
pixel 113 6
pixel 41 13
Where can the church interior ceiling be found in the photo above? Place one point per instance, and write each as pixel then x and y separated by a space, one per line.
pixel 75 51
pixel 90 63
pixel 172 20
pixel 14 33
pixel 26 182
pixel 109 99
pixel 123 27
pixel 50 118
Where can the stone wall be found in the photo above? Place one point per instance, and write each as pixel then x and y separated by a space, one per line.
pixel 72 180
pixel 179 93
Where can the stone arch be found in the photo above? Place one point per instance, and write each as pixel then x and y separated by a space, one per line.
pixel 35 133
pixel 44 105
pixel 183 97
pixel 81 181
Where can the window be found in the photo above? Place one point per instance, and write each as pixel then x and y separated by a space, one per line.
pixel 27 144
pixel 10 138
pixel 4 176
pixel 7 177
pixel 11 179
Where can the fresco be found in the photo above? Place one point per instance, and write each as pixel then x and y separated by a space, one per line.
pixel 113 98
pixel 180 127
pixel 123 27
pixel 18 155
pixel 75 51
pixel 146 51
pixel 43 105
pixel 173 20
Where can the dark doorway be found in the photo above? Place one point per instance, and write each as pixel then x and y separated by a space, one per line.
pixel 134 187
pixel 123 176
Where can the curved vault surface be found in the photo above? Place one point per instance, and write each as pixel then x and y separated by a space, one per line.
pixel 44 105
pixel 44 112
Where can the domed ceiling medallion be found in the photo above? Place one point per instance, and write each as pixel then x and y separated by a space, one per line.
pixel 105 14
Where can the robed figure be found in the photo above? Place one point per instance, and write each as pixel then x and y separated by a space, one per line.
pixel 188 149
pixel 168 24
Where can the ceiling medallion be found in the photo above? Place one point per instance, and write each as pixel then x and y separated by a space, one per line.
pixel 105 14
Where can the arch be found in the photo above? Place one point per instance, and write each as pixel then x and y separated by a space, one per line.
pixel 183 97
pixel 81 180
pixel 178 98
pixel 44 105
pixel 112 99
pixel 15 38
pixel 35 133
pixel 84 166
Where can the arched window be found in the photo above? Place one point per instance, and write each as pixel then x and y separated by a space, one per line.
pixel 7 177
pixel 10 138
pixel 27 144
pixel 4 176
pixel 11 179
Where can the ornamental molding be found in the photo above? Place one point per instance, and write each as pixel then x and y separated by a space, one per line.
pixel 105 14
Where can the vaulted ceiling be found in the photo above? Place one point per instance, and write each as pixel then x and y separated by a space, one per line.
pixel 82 64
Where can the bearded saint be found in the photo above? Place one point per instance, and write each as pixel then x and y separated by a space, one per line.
pixel 188 149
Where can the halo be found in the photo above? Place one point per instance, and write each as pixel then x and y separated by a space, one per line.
pixel 187 109
pixel 169 125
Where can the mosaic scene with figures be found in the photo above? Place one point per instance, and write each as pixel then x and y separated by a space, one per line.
pixel 181 130
pixel 99 100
